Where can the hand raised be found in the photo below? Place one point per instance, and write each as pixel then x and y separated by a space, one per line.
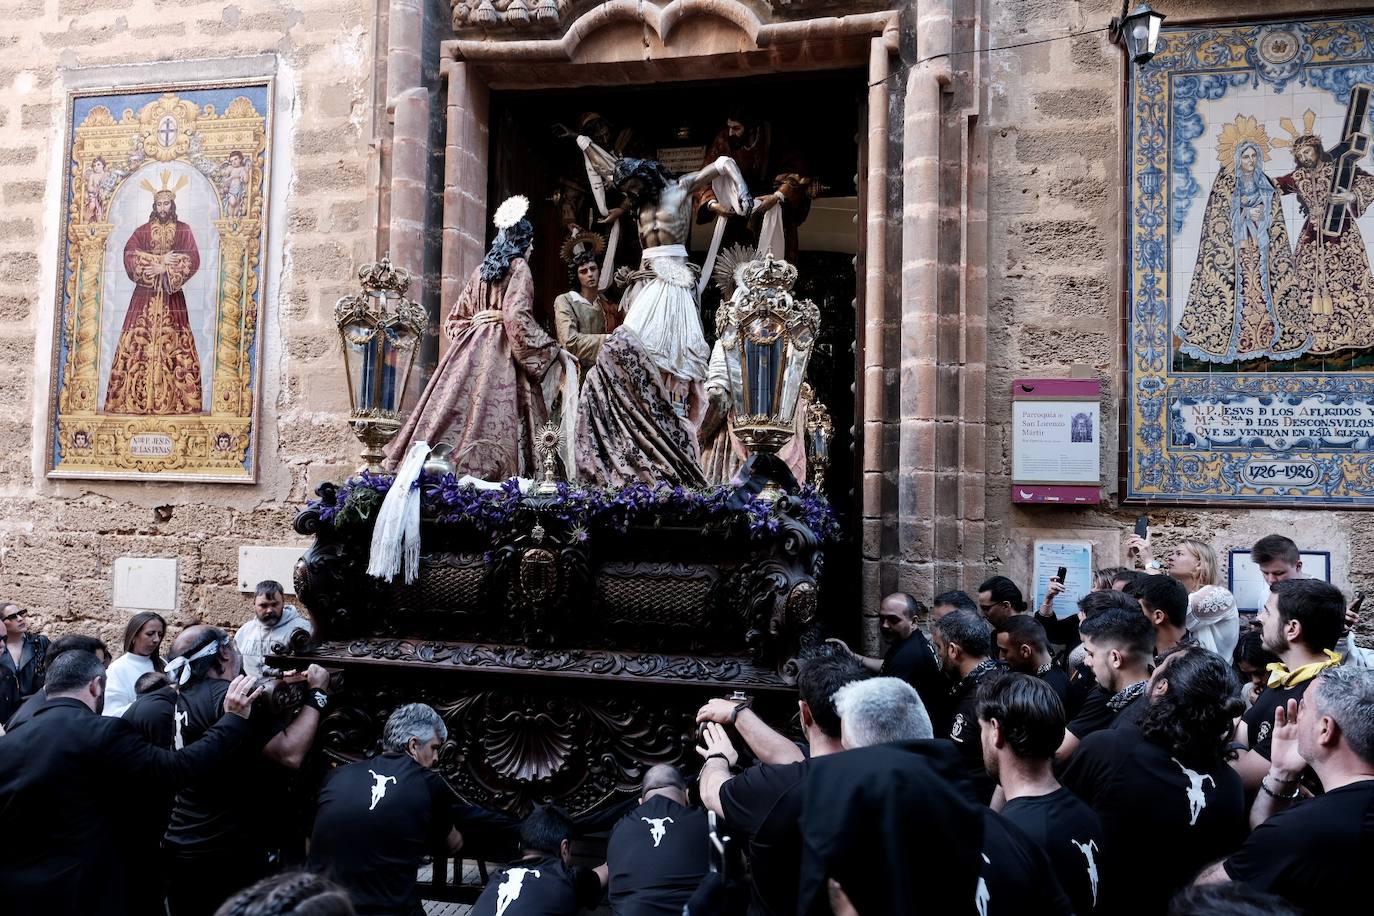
pixel 242 692
pixel 714 740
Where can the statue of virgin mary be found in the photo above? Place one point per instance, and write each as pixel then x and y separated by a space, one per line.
pixel 1244 302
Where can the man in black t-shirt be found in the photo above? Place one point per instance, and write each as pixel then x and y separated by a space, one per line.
pixel 961 645
pixel 1118 647
pixel 1022 646
pixel 215 839
pixel 1085 702
pixel 544 882
pixel 1310 852
pixel 763 803
pixel 657 853
pixel 1022 724
pixel 1300 623
pixel 1168 800
pixel 378 818
pixel 909 654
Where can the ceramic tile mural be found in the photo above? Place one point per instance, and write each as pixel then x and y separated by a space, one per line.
pixel 155 369
pixel 1250 296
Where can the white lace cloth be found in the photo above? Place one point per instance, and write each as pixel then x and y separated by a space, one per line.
pixel 1213 619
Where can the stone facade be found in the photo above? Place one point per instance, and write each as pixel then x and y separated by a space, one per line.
pixel 991 249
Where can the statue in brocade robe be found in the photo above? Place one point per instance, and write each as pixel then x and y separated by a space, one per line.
pixel 487 397
pixel 645 397
pixel 156 369
pixel 1244 299
pixel 1333 271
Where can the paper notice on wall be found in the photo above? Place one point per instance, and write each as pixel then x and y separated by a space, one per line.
pixel 1077 559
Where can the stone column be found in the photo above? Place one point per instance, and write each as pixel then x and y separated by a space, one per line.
pixel 465 178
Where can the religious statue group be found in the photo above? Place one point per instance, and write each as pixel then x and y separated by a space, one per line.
pixel 1255 292
pixel 641 395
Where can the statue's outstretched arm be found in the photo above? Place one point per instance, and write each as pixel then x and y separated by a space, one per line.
pixel 723 167
pixel 601 161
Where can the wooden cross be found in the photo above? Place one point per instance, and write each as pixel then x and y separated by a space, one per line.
pixel 1354 146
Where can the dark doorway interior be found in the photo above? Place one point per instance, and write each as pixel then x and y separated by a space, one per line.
pixel 821 116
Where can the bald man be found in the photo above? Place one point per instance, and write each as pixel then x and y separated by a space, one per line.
pixel 657 853
pixel 909 655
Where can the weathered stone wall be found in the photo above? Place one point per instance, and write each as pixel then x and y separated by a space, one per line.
pixel 58 539
pixel 1055 274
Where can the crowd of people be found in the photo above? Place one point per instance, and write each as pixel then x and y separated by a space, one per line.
pixel 1150 750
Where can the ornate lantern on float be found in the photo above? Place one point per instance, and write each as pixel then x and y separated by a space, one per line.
pixel 380 330
pixel 767 336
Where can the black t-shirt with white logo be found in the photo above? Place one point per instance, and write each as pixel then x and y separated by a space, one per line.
pixel 656 856
pixel 223 809
pixel 764 803
pixel 1154 810
pixel 1259 718
pixel 376 820
pixel 913 660
pixel 539 887
pixel 1071 835
pixel 1314 852
pixel 965 731
pixel 1017 878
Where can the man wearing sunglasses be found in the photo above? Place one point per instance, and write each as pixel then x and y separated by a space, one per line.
pixel 22 663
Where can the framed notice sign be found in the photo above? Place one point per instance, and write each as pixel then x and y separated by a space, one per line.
pixel 1056 441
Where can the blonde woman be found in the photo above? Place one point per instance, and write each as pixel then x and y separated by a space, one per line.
pixel 1212 616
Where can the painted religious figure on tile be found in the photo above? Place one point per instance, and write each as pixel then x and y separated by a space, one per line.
pixel 156 355
pixel 156 369
pixel 1332 261
pixel 1244 300
pixel 1251 297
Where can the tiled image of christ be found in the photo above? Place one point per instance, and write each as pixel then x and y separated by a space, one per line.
pixel 151 362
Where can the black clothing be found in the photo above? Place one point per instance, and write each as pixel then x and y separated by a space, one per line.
pixel 964 729
pixel 1060 632
pixel 657 857
pixel 376 820
pixel 764 803
pixel 1129 716
pixel 215 840
pixel 896 825
pixel 1094 714
pixel 1082 686
pixel 1311 853
pixel 32 668
pixel 540 887
pixel 56 779
pixel 1071 835
pixel 1156 811
pixel 1259 718
pixel 1056 678
pixel 151 714
pixel 25 710
pixel 913 660
pixel 1017 877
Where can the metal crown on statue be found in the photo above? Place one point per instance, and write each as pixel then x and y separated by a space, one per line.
pixel 767 336
pixel 380 330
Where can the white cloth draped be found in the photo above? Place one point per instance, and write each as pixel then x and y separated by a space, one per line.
pixel 396 533
pixel 663 314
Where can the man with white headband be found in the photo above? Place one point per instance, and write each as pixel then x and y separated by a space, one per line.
pixel 216 838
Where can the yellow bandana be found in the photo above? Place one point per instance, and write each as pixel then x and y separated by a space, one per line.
pixel 1280 676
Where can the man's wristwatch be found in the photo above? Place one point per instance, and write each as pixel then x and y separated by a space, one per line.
pixel 1154 566
pixel 317 698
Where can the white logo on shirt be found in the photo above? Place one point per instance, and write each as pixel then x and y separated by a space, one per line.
pixel 957 728
pixel 1197 800
pixel 182 717
pixel 510 887
pixel 1263 732
pixel 379 789
pixel 657 828
pixel 981 896
pixel 1088 849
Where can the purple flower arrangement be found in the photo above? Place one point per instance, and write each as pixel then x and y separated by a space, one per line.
pixel 585 511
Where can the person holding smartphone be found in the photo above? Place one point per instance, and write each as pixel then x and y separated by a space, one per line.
pixel 1213 619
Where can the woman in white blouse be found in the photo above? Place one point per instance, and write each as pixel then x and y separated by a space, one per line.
pixel 142 640
pixel 1213 618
